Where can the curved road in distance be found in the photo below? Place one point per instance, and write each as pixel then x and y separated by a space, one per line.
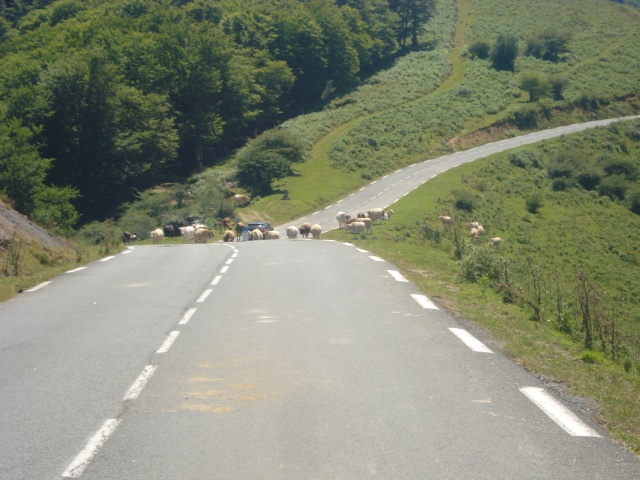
pixel 391 188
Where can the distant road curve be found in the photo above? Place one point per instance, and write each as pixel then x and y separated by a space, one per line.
pixel 391 188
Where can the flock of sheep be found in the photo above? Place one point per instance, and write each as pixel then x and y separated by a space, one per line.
pixel 363 222
pixel 475 229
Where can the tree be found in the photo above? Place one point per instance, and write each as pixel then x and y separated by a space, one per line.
pixel 505 52
pixel 557 83
pixel 480 49
pixel 267 158
pixel 413 15
pixel 22 169
pixel 535 84
pixel 549 45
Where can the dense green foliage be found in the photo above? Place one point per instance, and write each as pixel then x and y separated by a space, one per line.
pixel 122 94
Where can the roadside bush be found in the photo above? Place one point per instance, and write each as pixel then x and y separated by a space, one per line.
pixel 479 261
pixel 527 116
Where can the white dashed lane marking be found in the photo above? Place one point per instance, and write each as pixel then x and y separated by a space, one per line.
pixel 38 287
pixel 397 275
pixel 424 302
pixel 75 270
pixel 75 469
pixel 204 295
pixel 187 316
pixel 470 341
pixel 166 345
pixel 560 414
pixel 140 382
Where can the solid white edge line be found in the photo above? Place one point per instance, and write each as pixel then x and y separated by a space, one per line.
pixel 397 275
pixel 140 382
pixel 216 280
pixel 166 345
pixel 204 296
pixel 187 316
pixel 106 259
pixel 560 414
pixel 470 341
pixel 39 286
pixel 375 259
pixel 75 270
pixel 424 302
pixel 94 444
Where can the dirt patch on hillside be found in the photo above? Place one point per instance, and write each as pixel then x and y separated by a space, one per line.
pixel 15 225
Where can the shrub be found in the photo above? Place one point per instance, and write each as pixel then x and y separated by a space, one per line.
pixel 613 187
pixel 591 356
pixel 480 49
pixel 534 203
pixel 505 52
pixel 480 261
pixel 535 84
pixel 634 202
pixel 464 200
pixel 589 180
pixel 527 116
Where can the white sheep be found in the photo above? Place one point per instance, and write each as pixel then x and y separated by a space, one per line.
pixel 203 235
pixel 356 228
pixel 255 234
pixel 187 233
pixel 316 231
pixel 157 235
pixel 477 232
pixel 495 241
pixel 367 222
pixel 446 220
pixel 387 215
pixel 342 218
pixel 271 235
pixel 376 214
pixel 292 232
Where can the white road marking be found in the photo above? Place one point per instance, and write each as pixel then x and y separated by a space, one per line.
pixel 564 417
pixel 140 382
pixel 39 286
pixel 106 259
pixel 126 251
pixel 216 280
pixel 164 348
pixel 230 261
pixel 348 244
pixel 424 302
pixel 360 250
pixel 397 275
pixel 75 270
pixel 470 341
pixel 94 444
pixel 204 295
pixel 375 259
pixel 224 269
pixel 187 316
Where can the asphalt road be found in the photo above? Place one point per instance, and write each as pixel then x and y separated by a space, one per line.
pixel 288 359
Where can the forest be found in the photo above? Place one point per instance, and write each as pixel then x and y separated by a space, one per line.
pixel 100 99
